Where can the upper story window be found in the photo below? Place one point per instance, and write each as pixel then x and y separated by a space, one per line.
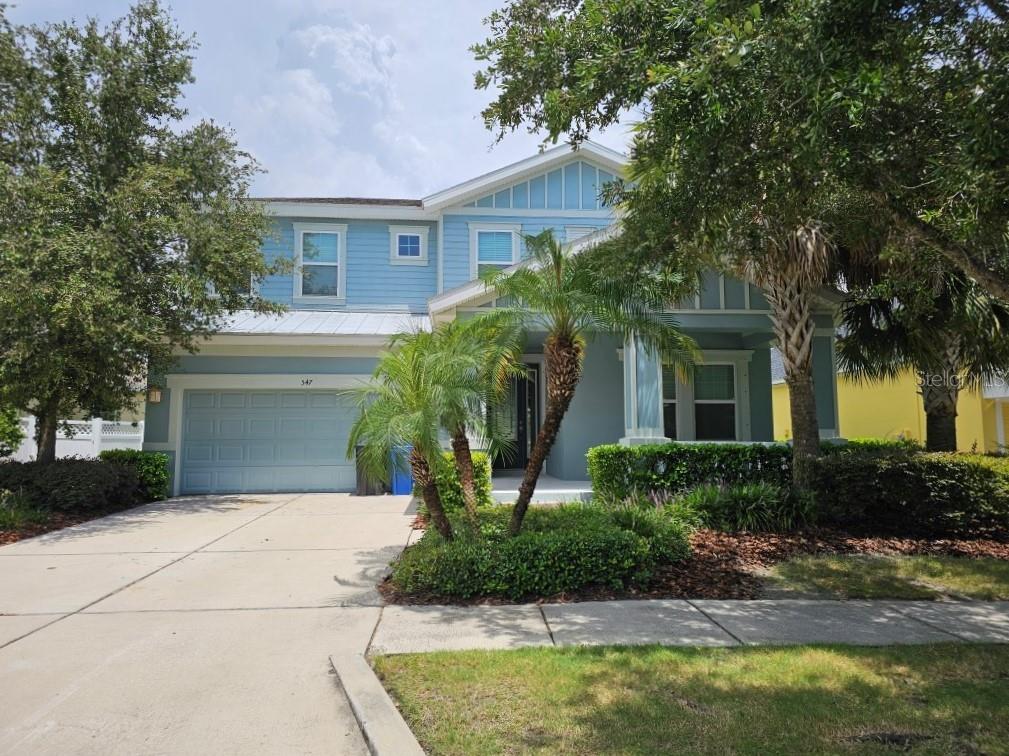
pixel 492 246
pixel 408 245
pixel 669 401
pixel 320 261
pixel 715 402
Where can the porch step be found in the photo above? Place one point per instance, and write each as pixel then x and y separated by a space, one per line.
pixel 549 490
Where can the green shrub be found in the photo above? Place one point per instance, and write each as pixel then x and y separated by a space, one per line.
pixel 914 494
pixel 11 434
pixel 619 471
pixel 72 485
pixel 872 446
pixel 450 489
pixel 151 468
pixel 560 549
pixel 754 507
pixel 17 511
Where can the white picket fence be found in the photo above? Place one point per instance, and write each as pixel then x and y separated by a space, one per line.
pixel 86 438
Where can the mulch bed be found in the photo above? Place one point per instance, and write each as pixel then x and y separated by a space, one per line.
pixel 55 521
pixel 729 565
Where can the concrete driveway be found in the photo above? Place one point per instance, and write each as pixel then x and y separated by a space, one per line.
pixel 194 625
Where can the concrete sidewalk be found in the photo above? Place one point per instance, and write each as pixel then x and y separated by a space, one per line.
pixel 408 629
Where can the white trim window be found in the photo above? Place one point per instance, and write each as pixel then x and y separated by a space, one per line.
pixel 408 245
pixel 669 397
pixel 320 273
pixel 493 245
pixel 715 412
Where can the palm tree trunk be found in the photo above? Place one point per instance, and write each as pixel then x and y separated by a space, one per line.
pixel 46 423
pixel 939 395
pixel 429 492
pixel 792 321
pixel 563 358
pixel 464 466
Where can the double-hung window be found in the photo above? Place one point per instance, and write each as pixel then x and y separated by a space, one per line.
pixel 493 246
pixel 320 257
pixel 408 245
pixel 715 402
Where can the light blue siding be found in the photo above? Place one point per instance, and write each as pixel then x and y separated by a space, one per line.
pixel 572 187
pixel 372 280
pixel 555 190
pixel 538 193
pixel 711 290
pixel 457 238
pixel 520 196
pixel 761 416
pixel 735 294
pixel 590 187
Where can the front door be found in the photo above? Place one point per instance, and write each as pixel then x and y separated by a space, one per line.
pixel 517 419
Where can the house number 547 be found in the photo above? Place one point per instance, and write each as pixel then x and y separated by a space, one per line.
pixel 306 381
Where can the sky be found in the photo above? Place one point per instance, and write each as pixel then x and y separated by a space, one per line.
pixel 369 98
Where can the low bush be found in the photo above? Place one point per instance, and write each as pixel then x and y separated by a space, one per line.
pixel 560 549
pixel 17 511
pixel 753 507
pixel 11 434
pixel 618 472
pixel 72 485
pixel 151 468
pixel 914 494
pixel 450 489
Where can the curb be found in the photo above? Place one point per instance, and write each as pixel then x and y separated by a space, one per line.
pixel 384 729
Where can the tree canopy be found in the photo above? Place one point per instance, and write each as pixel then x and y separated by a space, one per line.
pixel 777 108
pixel 125 230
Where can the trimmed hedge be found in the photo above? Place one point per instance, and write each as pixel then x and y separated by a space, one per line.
pixel 870 485
pixel 618 472
pixel 73 485
pixel 560 549
pixel 914 494
pixel 151 467
pixel 450 489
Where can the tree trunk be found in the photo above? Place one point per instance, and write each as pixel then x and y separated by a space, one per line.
pixel 939 395
pixel 429 492
pixel 46 424
pixel 464 466
pixel 563 359
pixel 792 321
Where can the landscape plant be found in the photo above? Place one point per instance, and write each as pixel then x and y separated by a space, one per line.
pixel 11 434
pixel 126 230
pixel 564 295
pixel 884 120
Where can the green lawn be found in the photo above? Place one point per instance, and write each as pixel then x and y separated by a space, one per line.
pixel 895 577
pixel 648 700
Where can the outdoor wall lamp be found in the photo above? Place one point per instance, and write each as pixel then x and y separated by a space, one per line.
pixel 154 395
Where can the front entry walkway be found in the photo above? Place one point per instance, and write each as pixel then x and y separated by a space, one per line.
pixel 194 625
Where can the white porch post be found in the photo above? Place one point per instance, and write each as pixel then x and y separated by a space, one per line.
pixel 642 395
pixel 96 435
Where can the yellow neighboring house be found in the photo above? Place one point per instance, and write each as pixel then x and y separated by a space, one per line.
pixel 893 409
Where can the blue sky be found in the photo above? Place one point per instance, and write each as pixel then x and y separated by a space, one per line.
pixel 339 97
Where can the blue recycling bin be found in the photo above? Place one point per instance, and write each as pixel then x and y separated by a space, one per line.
pixel 402 477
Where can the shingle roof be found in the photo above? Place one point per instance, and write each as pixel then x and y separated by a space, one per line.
pixel 328 323
pixel 383 201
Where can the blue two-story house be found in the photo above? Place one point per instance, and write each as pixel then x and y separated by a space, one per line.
pixel 258 409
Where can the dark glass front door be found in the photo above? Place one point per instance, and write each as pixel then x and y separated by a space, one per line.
pixel 517 419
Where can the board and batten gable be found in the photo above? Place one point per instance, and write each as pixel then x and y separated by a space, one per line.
pixel 373 280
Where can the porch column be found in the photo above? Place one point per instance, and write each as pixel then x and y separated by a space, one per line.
pixel 642 395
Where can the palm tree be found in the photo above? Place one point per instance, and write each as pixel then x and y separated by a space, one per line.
pixel 403 405
pixel 564 295
pixel 951 333
pixel 792 268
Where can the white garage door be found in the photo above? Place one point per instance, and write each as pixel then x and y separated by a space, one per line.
pixel 249 441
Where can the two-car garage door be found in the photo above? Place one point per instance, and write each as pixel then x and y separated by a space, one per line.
pixel 248 441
